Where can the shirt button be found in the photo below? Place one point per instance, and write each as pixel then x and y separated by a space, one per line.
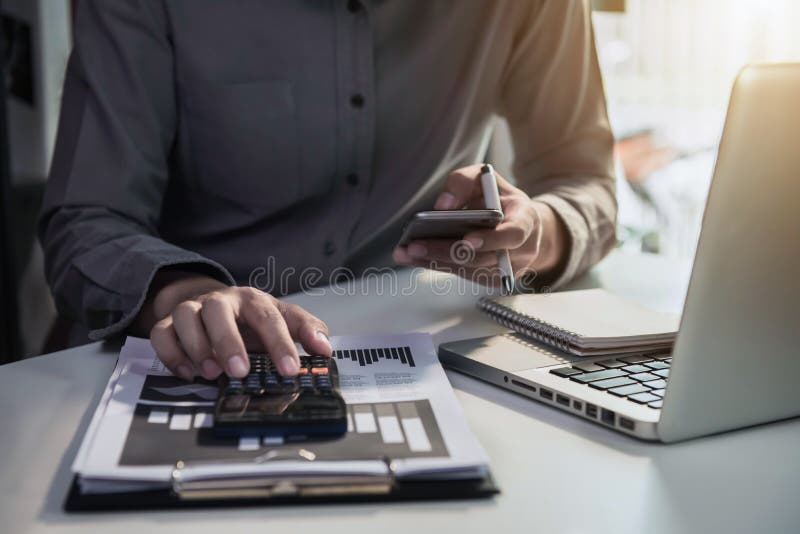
pixel 357 100
pixel 354 6
pixel 329 248
pixel 352 179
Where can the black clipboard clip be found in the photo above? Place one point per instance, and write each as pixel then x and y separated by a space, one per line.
pixel 191 482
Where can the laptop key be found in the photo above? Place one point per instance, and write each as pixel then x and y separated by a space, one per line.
pixel 656 384
pixel 624 391
pixel 663 373
pixel 657 365
pixel 598 375
pixel 643 377
pixel 588 367
pixel 611 364
pixel 659 392
pixel 664 356
pixel 636 369
pixel 656 404
pixel 643 398
pixel 612 383
pixel 565 372
pixel 636 359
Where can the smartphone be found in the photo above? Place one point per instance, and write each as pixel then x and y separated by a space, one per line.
pixel 448 224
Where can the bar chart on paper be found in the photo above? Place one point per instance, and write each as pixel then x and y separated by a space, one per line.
pixel 370 356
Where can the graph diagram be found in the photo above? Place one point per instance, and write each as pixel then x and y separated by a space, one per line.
pixel 366 357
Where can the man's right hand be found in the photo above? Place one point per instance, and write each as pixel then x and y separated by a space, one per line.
pixel 199 325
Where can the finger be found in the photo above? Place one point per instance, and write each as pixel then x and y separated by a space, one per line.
pixel 508 236
pixel 461 186
pixel 446 251
pixel 192 335
pixel 304 327
pixel 266 320
pixel 219 319
pixel 168 349
pixel 400 256
pixel 521 220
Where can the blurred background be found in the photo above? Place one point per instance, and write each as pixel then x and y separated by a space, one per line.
pixel 668 67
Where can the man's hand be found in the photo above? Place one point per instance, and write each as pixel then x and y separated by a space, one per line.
pixel 534 235
pixel 199 325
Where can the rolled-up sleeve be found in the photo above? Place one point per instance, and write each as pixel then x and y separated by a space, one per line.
pixel 552 97
pixel 110 168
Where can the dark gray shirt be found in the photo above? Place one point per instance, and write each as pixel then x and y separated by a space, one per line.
pixel 255 137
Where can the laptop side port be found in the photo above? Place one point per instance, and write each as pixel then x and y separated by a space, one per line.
pixel 546 393
pixel 607 416
pixel 562 400
pixel 523 385
pixel 591 410
pixel 578 405
pixel 626 423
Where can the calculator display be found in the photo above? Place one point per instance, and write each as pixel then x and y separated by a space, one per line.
pixel 266 404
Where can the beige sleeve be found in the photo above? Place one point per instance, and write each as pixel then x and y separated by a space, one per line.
pixel 552 97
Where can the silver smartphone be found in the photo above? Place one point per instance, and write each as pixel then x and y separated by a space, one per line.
pixel 448 224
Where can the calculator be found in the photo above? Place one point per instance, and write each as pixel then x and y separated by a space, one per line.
pixel 264 403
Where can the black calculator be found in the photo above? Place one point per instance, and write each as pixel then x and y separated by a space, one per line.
pixel 264 403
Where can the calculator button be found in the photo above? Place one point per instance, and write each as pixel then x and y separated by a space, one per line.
pixel 320 370
pixel 303 371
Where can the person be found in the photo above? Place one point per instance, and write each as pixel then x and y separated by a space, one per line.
pixel 199 140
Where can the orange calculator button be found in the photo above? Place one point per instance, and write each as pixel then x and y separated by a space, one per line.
pixel 303 371
pixel 320 370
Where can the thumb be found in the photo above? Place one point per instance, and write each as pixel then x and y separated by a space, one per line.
pixel 461 186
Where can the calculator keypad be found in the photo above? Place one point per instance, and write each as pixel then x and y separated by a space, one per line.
pixel 266 403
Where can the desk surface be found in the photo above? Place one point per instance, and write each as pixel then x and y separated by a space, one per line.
pixel 557 472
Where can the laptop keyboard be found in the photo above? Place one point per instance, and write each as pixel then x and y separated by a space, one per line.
pixel 640 379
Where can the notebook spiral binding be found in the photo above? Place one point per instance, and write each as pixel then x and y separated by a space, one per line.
pixel 529 326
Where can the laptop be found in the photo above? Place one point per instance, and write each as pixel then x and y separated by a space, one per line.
pixel 736 359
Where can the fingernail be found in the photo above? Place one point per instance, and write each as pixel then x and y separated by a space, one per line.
pixel 476 242
pixel 415 250
pixel 322 336
pixel 210 369
pixel 185 372
pixel 287 365
pixel 236 366
pixel 446 201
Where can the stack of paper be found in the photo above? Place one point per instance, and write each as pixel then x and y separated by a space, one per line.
pixel 400 407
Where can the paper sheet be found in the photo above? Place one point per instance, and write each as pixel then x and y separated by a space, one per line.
pixel 400 406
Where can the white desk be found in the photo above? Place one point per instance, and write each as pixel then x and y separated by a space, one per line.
pixel 557 473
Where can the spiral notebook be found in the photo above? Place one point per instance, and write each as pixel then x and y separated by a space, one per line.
pixel 584 323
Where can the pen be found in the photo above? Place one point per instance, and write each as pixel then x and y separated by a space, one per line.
pixel 491 198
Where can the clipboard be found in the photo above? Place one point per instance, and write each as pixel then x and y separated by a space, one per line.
pixel 259 490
